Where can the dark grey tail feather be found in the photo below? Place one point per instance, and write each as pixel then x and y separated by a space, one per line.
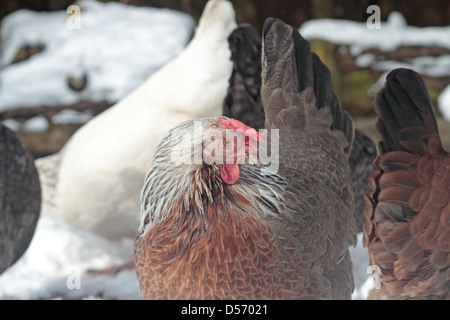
pixel 403 102
pixel 284 47
pixel 326 96
pixel 243 100
pixel 278 54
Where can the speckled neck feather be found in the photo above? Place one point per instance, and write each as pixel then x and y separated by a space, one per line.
pixel 192 188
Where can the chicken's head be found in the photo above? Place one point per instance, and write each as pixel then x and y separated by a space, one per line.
pixel 211 148
pixel 229 146
pixel 206 162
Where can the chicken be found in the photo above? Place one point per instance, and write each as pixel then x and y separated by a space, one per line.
pixel 217 222
pixel 243 102
pixel 407 213
pixel 20 198
pixel 94 181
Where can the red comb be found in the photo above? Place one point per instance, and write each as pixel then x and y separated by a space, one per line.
pixel 240 127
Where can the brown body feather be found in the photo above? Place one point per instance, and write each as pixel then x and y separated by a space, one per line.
pixel 407 210
pixel 233 260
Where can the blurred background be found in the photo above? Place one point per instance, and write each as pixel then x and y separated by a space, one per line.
pixel 54 79
pixel 421 13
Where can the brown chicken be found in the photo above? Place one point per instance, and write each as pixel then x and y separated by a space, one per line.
pixel 242 229
pixel 407 214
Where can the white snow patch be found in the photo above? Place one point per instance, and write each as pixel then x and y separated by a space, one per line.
pixel 57 255
pixel 444 103
pixel 12 124
pixel 118 47
pixel 72 117
pixel 36 124
pixel 429 66
pixel 393 33
pixel 363 280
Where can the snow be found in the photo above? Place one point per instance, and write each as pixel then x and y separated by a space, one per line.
pixel 444 103
pixel 55 265
pixel 12 124
pixel 117 46
pixel 393 33
pixel 72 117
pixel 427 66
pixel 36 124
pixel 363 280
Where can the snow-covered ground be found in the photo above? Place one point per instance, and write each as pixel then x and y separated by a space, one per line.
pixel 117 47
pixel 393 33
pixel 55 265
pixel 364 281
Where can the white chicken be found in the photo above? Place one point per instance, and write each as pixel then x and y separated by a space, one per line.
pixel 94 182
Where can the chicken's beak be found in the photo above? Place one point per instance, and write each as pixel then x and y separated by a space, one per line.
pixel 252 154
pixel 257 163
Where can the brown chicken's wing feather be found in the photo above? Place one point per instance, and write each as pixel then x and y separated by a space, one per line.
pixel 407 206
pixel 403 103
pixel 237 260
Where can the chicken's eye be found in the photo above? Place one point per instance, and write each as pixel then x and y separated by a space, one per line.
pixel 225 142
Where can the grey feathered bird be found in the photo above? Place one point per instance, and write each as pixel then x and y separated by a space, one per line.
pixel 20 198
pixel 231 230
pixel 243 102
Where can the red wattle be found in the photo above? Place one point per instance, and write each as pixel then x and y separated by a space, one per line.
pixel 230 173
